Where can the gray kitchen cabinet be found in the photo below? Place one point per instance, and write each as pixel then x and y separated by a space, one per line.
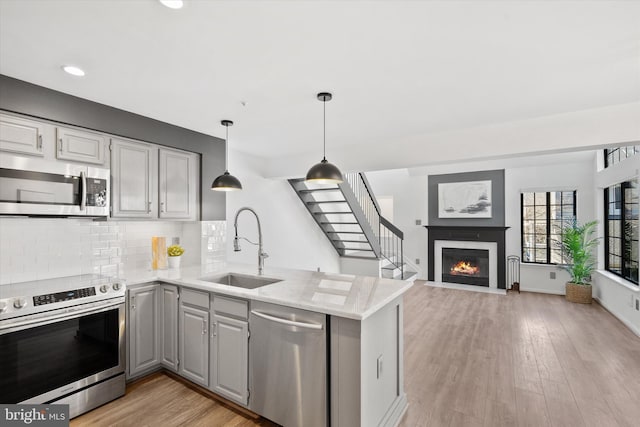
pixel 178 183
pixel 80 146
pixel 144 346
pixel 194 344
pixel 133 179
pixel 22 136
pixel 229 358
pixel 169 326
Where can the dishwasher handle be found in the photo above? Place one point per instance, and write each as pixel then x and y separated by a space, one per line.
pixel 316 326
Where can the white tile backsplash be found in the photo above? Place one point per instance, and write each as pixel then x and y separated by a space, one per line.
pixel 43 248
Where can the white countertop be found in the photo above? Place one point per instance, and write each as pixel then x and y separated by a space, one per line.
pixel 344 295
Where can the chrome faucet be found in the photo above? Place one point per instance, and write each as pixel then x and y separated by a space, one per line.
pixel 236 240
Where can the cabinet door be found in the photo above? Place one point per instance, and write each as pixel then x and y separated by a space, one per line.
pixel 21 136
pixel 143 329
pixel 80 146
pixel 134 182
pixel 169 332
pixel 178 183
pixel 229 358
pixel 194 345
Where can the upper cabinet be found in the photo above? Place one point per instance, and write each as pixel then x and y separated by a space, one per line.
pixel 152 182
pixel 178 181
pixel 133 179
pixel 80 146
pixel 21 135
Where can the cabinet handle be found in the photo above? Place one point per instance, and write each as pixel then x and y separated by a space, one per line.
pixel 213 330
pixel 204 327
pixel 133 302
pixel 39 142
pixel 161 206
pixel 149 207
pixel 60 146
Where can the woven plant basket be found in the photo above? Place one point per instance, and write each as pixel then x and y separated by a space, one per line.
pixel 578 293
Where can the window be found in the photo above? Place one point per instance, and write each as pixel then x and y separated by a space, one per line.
pixel 621 229
pixel 616 155
pixel 543 219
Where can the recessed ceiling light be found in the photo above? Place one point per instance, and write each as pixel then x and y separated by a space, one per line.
pixel 74 71
pixel 173 4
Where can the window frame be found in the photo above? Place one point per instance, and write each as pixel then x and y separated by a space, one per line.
pixel 547 222
pixel 623 242
pixel 617 151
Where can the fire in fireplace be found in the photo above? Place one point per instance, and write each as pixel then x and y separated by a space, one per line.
pixel 465 266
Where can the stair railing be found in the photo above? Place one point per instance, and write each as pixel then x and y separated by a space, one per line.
pixel 389 236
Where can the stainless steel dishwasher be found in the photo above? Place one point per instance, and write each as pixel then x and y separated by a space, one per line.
pixel 288 365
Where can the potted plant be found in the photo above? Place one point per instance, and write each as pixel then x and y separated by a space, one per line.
pixel 579 243
pixel 174 252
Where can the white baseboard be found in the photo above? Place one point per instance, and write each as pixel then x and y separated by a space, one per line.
pixel 541 291
pixel 624 321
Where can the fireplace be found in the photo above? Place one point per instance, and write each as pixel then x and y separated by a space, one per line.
pixel 465 266
pixel 467 255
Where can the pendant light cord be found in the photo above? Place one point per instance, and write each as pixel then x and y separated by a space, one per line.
pixel 324 129
pixel 226 151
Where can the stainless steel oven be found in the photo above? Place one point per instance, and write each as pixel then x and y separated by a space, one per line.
pixel 40 187
pixel 63 343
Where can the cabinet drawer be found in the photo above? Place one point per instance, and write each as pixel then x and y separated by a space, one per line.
pixel 231 307
pixel 195 298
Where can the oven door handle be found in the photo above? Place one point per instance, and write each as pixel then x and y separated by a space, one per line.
pixel 67 315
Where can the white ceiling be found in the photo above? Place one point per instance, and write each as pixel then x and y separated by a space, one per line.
pixel 397 69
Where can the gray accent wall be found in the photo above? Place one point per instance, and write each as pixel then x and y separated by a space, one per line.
pixel 37 101
pixel 497 194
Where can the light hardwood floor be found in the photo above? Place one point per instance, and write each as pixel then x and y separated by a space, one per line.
pixel 471 359
pixel 161 401
pixel 474 359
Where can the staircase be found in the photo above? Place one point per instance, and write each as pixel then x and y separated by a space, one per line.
pixel 349 215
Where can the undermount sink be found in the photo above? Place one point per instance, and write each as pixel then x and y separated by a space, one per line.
pixel 241 280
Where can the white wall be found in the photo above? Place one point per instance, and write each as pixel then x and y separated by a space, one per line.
pixel 544 173
pixel 44 248
pixel 291 236
pixel 614 293
pixel 563 177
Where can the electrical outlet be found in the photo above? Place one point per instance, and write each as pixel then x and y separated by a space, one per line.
pixel 418 222
pixel 175 241
pixel 417 261
pixel 637 304
pixel 552 275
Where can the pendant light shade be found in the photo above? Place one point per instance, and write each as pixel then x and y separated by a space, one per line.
pixel 226 181
pixel 324 172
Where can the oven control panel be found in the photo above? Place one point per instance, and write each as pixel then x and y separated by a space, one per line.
pixel 63 296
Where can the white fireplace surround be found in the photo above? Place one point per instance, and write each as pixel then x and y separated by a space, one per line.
pixel 492 247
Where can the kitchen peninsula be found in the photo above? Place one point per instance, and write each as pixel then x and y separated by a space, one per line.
pixel 360 379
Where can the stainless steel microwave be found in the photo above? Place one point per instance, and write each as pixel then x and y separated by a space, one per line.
pixel 40 187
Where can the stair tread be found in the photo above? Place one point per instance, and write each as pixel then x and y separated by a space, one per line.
pixel 318 189
pixel 345 232
pixel 349 241
pixel 336 222
pixel 316 202
pixel 332 213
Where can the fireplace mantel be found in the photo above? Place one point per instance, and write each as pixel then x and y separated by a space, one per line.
pixel 469 234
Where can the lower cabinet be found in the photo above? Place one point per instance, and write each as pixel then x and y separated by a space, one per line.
pixel 174 327
pixel 194 342
pixel 169 326
pixel 143 329
pixel 229 358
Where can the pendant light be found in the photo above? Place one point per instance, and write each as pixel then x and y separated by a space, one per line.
pixel 226 181
pixel 324 172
